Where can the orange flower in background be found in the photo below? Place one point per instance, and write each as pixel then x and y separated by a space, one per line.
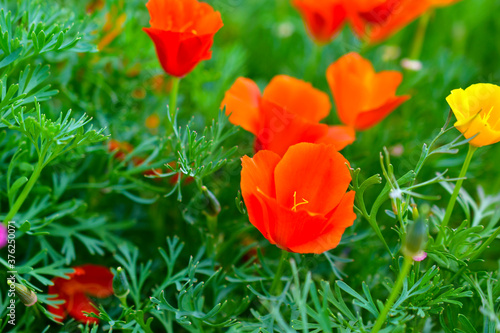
pixel 87 280
pixel 477 110
pixel 299 202
pixel 362 96
pixel 183 33
pixel 323 18
pixel 122 149
pixel 287 113
pixel 113 27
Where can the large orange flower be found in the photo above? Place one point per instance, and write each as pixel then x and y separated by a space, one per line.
pixel 183 33
pixel 323 18
pixel 299 202
pixel 287 113
pixel 362 96
pixel 87 280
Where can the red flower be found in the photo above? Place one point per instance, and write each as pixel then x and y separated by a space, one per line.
pixel 287 113
pixel 122 149
pixel 87 280
pixel 362 96
pixel 183 33
pixel 323 18
pixel 299 202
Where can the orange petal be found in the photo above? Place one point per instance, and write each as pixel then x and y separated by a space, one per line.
pixel 369 119
pixel 298 97
pixel 339 136
pixel 342 217
pixel 315 173
pixel 242 102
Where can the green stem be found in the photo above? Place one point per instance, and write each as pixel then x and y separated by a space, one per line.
pixel 279 273
pixel 394 293
pixel 173 100
pixel 418 41
pixel 212 234
pixel 314 62
pixel 26 190
pixel 456 191
pixel 478 252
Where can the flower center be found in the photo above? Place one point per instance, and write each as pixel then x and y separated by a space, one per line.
pixel 295 204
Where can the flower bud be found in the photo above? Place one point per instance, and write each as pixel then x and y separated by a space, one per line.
pixel 120 284
pixel 26 295
pixel 213 205
pixel 416 237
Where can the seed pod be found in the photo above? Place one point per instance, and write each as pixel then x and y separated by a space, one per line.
pixel 120 284
pixel 213 205
pixel 416 237
pixel 26 295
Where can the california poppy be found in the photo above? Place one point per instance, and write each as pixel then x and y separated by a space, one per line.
pixel 299 202
pixel 183 33
pixel 323 18
pixel 477 109
pixel 362 96
pixel 87 280
pixel 113 27
pixel 287 113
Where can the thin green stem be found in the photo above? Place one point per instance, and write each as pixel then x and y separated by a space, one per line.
pixel 26 190
pixel 394 294
pixel 478 252
pixel 314 62
pixel 212 234
pixel 173 100
pixel 279 273
pixel 456 191
pixel 418 41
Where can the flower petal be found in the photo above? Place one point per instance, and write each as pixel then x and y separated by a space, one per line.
pixel 339 136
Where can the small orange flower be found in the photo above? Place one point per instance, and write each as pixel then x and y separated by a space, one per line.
pixel 87 280
pixel 183 33
pixel 122 149
pixel 299 202
pixel 113 26
pixel 287 113
pixel 362 96
pixel 323 18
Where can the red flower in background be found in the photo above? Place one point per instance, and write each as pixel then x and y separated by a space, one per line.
pixel 287 113
pixel 323 18
pixel 362 96
pixel 87 280
pixel 299 202
pixel 183 33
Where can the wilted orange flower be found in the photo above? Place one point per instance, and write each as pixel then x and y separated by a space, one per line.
pixel 183 33
pixel 299 202
pixel 477 109
pixel 323 18
pixel 87 280
pixel 362 96
pixel 376 20
pixel 287 113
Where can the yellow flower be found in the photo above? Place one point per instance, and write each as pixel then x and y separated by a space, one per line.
pixel 477 109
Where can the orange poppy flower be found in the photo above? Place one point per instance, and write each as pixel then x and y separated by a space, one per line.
pixel 323 18
pixel 299 202
pixel 122 149
pixel 87 280
pixel 183 33
pixel 362 96
pixel 287 113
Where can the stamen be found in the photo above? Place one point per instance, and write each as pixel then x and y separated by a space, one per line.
pixel 295 204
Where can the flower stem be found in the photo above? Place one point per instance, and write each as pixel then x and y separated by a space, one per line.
pixel 173 100
pixel 456 191
pixel 279 273
pixel 394 293
pixel 26 190
pixel 418 41
pixel 478 252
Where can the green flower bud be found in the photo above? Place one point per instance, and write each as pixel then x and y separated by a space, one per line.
pixel 26 295
pixel 213 205
pixel 120 283
pixel 416 237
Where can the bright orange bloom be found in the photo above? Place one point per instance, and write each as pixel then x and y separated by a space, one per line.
pixel 477 109
pixel 87 280
pixel 183 33
pixel 287 113
pixel 323 18
pixel 376 20
pixel 363 97
pixel 299 202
